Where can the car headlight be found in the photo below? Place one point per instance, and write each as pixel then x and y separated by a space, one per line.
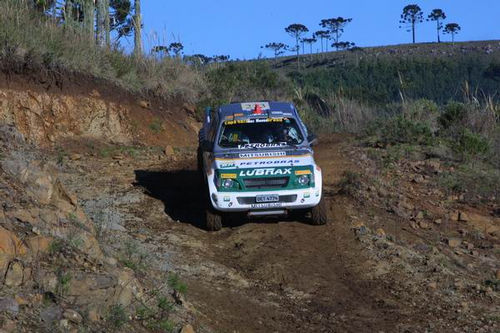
pixel 303 180
pixel 227 183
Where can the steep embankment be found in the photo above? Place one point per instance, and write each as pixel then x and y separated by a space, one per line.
pixel 55 111
pixel 57 272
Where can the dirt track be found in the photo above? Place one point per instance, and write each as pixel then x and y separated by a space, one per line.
pixel 263 276
pixel 268 276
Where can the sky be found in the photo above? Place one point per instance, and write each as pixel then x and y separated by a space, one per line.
pixel 239 28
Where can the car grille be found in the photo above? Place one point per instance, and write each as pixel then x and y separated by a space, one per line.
pixel 266 183
pixel 251 200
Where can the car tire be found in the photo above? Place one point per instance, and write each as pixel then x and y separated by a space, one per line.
pixel 213 220
pixel 319 213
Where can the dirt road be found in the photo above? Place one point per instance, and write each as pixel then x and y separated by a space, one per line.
pixel 268 276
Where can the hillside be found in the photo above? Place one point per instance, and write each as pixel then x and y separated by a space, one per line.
pixel 102 215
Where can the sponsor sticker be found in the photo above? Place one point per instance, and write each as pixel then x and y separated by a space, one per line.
pixel 267 205
pixel 265 172
pixel 263 154
pixel 272 162
pixel 227 165
pixel 261 145
pixel 251 106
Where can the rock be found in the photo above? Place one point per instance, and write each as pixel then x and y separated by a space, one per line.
pixel 169 151
pixel 454 242
pixel 8 304
pixel 380 233
pixel 10 244
pixel 424 225
pixel 438 221
pixel 64 325
pixel 418 179
pixel 144 104
pixel 75 157
pixel 420 215
pixel 463 217
pixel 15 274
pixel 432 285
pixel 39 244
pixel 187 329
pixel 498 274
pixel 93 315
pixel 51 313
pixel 72 316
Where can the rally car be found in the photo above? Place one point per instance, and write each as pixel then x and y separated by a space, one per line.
pixel 256 159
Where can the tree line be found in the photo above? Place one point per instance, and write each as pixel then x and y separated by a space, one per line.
pixel 333 29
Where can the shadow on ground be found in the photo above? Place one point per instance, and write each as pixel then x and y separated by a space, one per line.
pixel 181 191
pixel 183 194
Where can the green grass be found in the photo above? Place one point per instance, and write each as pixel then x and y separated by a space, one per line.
pixel 31 42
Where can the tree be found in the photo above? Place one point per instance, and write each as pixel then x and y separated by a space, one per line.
pixel 296 31
pixel 452 29
pixel 137 29
pixel 176 48
pixel 277 48
pixel 89 17
pixel 322 34
pixel 343 45
pixel 336 27
pixel 121 18
pixel 437 15
pixel 412 15
pixel 160 50
pixel 310 41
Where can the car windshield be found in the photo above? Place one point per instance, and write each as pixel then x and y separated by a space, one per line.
pixel 260 133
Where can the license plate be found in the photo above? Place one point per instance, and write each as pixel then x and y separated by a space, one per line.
pixel 267 205
pixel 267 198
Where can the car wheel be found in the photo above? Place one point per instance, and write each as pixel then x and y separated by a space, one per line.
pixel 319 213
pixel 213 220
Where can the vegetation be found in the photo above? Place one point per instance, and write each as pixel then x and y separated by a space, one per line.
pixel 412 15
pixel 33 42
pixel 437 15
pixel 296 31
pixel 452 29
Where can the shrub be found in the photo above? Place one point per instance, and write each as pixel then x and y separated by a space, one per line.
pixel 398 130
pixel 117 316
pixel 472 144
pixel 452 115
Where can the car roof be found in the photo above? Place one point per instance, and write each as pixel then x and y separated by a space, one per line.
pixel 247 107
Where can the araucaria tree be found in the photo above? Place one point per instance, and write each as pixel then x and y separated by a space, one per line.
pixel 176 48
pixel 277 48
pixel 322 34
pixel 437 15
pixel 296 31
pixel 452 29
pixel 412 15
pixel 310 41
pixel 336 27
pixel 137 29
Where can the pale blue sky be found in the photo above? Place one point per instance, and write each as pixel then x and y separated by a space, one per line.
pixel 239 28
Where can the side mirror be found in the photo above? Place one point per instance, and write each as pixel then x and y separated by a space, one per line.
pixel 206 145
pixel 313 140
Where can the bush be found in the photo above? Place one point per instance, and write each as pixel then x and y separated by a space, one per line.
pixel 452 115
pixel 398 130
pixel 472 144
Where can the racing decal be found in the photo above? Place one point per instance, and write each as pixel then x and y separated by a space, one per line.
pixel 265 172
pixel 268 162
pixel 254 121
pixel 266 154
pixel 251 106
pixel 227 165
pixel 262 145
